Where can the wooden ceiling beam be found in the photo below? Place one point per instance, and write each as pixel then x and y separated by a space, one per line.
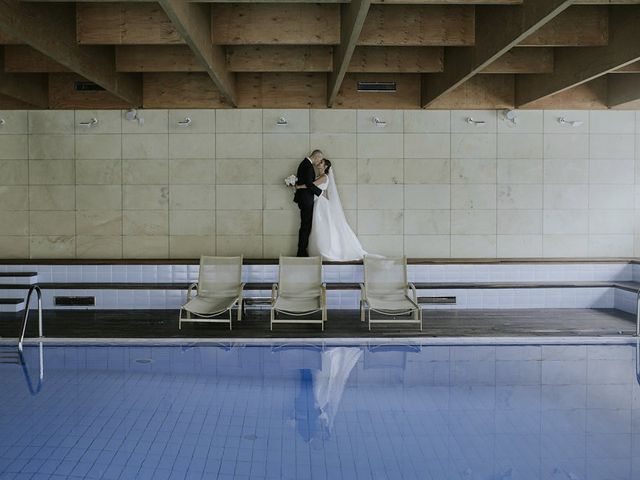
pixel 523 60
pixel 24 59
pixel 577 26
pixel 50 29
pixel 491 43
pixel 275 24
pixel 396 60
pixel 419 25
pixel 574 65
pixel 124 23
pixel 156 58
pixel 193 22
pixel 280 58
pixel 630 68
pixel 352 18
pixel 29 88
pixel 623 89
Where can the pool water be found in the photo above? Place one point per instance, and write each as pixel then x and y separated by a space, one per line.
pixel 562 412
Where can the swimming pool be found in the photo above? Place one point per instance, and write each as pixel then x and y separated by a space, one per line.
pixel 321 411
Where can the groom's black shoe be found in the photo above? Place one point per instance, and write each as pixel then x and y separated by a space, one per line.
pixel 302 254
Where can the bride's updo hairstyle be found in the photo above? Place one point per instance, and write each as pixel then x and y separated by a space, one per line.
pixel 327 166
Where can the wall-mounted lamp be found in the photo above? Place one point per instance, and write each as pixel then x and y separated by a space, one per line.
pixel 2 121
pixel 282 121
pixel 91 123
pixel 511 117
pixel 477 123
pixel 185 123
pixel 571 123
pixel 133 116
pixel 378 122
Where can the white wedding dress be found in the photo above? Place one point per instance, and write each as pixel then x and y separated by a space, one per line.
pixel 331 236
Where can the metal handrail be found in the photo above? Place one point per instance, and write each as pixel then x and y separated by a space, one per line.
pixel 33 288
pixel 638 313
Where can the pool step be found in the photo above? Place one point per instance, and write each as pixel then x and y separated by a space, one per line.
pixel 11 304
pixel 19 278
pixel 10 355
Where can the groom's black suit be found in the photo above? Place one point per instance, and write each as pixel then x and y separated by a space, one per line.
pixel 304 198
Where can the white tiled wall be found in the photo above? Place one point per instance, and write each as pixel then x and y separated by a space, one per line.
pixel 428 184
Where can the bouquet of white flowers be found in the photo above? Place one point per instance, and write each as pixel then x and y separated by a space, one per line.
pixel 290 181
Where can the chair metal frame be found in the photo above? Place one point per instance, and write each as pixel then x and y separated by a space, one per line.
pixel 275 293
pixel 210 318
pixel 366 308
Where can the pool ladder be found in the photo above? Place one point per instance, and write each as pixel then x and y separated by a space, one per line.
pixel 33 288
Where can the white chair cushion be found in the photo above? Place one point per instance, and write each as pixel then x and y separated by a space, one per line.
pixel 209 305
pixel 286 303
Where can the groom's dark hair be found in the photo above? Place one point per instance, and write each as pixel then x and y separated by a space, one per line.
pixel 327 165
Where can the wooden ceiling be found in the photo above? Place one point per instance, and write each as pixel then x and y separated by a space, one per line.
pixel 298 54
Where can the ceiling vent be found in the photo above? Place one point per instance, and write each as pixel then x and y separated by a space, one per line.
pixel 86 87
pixel 387 87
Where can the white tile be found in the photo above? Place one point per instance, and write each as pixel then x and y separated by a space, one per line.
pixel 565 245
pixel 145 146
pixel 238 145
pixel 527 121
pixel 46 147
pixel 520 145
pixel 612 121
pixel 562 222
pixel 476 222
pixel 611 196
pixel 380 222
pixel 380 197
pixel 611 245
pixel 51 121
pixel 393 119
pixel 195 145
pixel 520 170
pixel 473 170
pixel 611 222
pixel 427 246
pixel 285 145
pixel 519 222
pixel 427 170
pixel 427 145
pixel 427 197
pixel 611 146
pixel 334 145
pixel 16 122
pixel 154 121
pixel 95 147
pixel 519 196
pixel 380 146
pixel 612 171
pixel 459 123
pixel 566 146
pixel 202 121
pixel 333 121
pixel 239 121
pixel 566 197
pixel 551 124
pixel 239 197
pixel 519 246
pixel 427 121
pixel 427 222
pixel 567 171
pixel 297 121
pixel 473 145
pixel 473 246
pixel 473 197
pixel 380 171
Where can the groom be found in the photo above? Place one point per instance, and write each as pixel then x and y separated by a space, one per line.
pixel 304 198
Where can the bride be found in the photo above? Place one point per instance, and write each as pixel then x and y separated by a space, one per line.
pixel 331 236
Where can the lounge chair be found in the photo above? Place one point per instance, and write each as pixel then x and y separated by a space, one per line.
pixel 219 289
pixel 385 291
pixel 299 291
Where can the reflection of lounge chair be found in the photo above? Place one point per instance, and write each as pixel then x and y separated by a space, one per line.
pixel 299 291
pixel 385 291
pixel 219 288
pixel 388 356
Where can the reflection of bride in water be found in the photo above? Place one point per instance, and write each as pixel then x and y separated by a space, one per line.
pixel 320 392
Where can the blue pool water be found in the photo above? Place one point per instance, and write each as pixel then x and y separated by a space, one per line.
pixel 305 412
